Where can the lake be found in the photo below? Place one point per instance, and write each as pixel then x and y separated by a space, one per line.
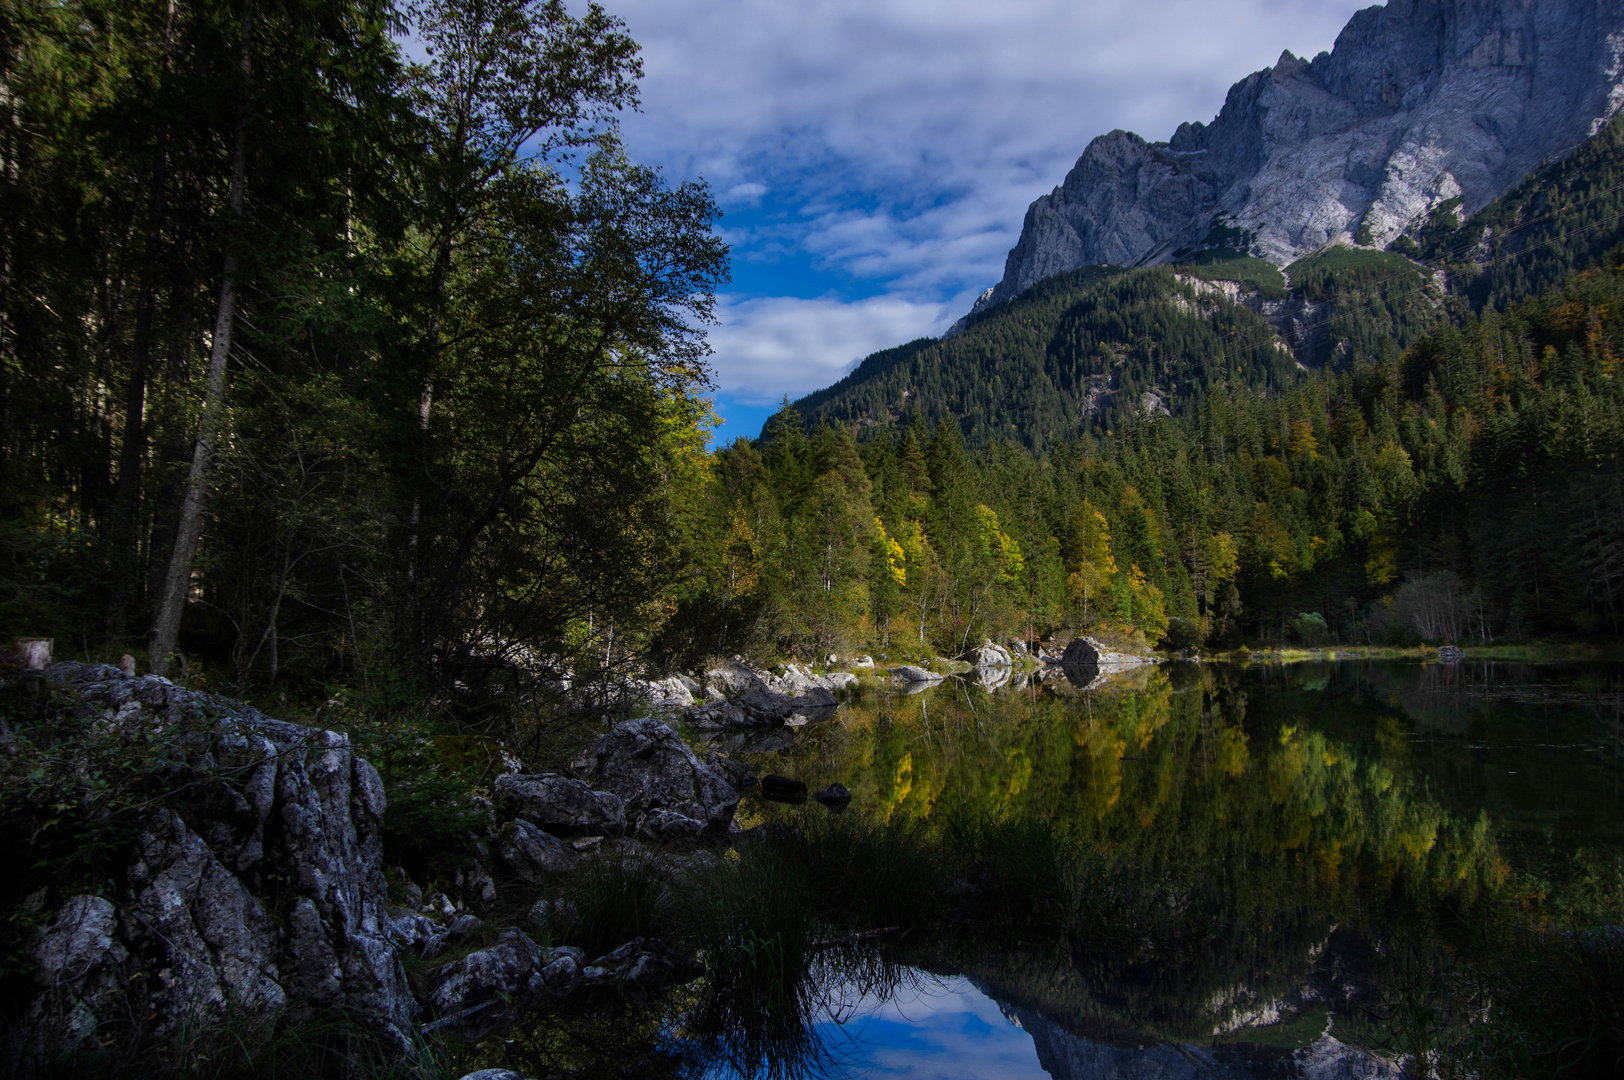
pixel 1284 860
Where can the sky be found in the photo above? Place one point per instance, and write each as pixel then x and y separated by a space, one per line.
pixel 874 158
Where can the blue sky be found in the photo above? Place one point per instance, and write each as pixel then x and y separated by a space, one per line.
pixel 874 158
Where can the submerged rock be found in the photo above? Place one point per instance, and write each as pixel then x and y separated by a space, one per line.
pixel 783 790
pixel 835 797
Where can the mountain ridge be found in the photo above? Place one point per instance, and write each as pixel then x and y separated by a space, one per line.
pixel 1418 103
pixel 1063 357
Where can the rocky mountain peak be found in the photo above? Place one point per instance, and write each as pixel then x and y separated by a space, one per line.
pixel 1419 102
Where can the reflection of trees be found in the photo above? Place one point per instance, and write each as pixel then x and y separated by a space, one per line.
pixel 1265 810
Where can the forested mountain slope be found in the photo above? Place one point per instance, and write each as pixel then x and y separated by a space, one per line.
pixel 1469 487
pixel 1085 351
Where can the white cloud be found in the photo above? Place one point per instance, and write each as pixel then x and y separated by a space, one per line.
pixel 906 137
pixel 770 346
pixel 747 192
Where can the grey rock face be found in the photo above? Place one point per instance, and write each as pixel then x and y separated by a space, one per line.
pixel 187 937
pixel 561 805
pixel 1420 101
pixel 659 779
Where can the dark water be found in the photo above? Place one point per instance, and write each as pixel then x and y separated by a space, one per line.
pixel 1267 834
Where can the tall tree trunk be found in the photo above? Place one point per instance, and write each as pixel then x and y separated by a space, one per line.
pixel 132 451
pixel 177 578
pixel 175 453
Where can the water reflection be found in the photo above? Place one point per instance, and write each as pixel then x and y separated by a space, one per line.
pixel 1252 839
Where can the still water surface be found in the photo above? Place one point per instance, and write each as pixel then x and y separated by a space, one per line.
pixel 1288 824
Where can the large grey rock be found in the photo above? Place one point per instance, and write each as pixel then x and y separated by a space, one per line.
pixel 1420 101
pixel 671 692
pixel 484 989
pixel 659 779
pixel 1089 652
pixel 733 678
pixel 534 854
pixel 195 909
pixel 910 673
pixel 765 708
pixel 798 681
pixel 644 964
pixel 989 654
pixel 562 805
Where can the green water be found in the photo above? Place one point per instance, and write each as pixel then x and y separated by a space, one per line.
pixel 1268 845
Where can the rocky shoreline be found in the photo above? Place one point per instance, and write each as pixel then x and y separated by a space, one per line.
pixel 256 885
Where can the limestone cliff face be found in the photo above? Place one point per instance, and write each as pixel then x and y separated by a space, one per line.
pixel 1419 102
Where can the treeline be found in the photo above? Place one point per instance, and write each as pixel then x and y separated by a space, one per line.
pixel 1468 488
pixel 371 366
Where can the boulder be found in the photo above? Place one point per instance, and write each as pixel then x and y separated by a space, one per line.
pixel 555 917
pixel 561 805
pixel 461 929
pixel 733 678
pixel 657 778
pixel 559 974
pixel 765 708
pixel 671 692
pixel 1086 651
pixel 487 982
pixel 865 661
pixel 989 654
pixel 910 673
pixel 644 964
pixel 835 797
pixel 782 789
pixel 797 682
pixel 533 854
pixel 193 900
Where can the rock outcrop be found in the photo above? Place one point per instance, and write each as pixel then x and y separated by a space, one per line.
pixel 1088 652
pixel 667 791
pixel 193 929
pixel 989 654
pixel 1419 102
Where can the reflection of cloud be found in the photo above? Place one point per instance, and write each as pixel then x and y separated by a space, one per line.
pixel 950 1029
pixel 769 346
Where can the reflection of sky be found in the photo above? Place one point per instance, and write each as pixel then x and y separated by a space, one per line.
pixel 944 1029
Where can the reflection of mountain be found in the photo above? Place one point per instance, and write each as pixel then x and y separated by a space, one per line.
pixel 1065 1056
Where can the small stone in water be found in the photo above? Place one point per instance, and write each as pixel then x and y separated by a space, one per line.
pixel 783 790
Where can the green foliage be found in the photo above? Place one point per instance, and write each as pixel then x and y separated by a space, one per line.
pixel 1260 274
